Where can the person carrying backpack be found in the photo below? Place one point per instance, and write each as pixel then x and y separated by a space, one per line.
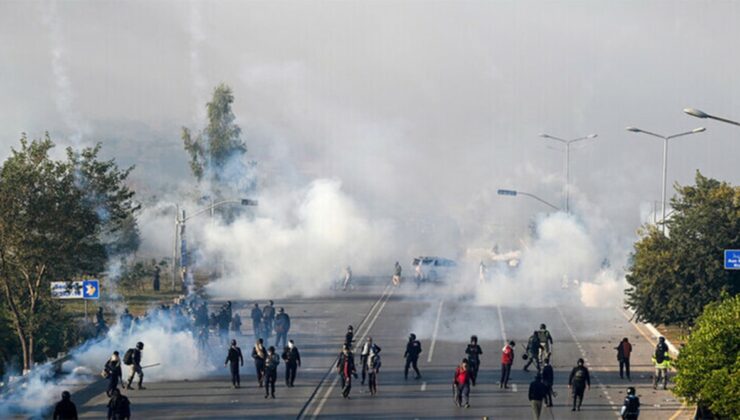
pixel 133 358
pixel 578 381
pixel 631 405
pixel 662 362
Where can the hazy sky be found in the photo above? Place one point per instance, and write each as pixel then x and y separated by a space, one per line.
pixel 417 107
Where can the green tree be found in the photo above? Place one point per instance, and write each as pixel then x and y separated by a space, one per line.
pixel 673 277
pixel 212 148
pixel 54 215
pixel 709 364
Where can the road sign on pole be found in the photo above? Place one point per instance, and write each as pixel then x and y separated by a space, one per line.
pixel 66 290
pixel 732 259
pixel 90 289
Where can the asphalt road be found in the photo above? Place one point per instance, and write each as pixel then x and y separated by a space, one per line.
pixel 444 327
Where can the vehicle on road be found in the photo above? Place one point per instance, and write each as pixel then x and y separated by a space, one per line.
pixel 432 269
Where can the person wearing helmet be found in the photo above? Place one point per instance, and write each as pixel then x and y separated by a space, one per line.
pixel 65 409
pixel 631 405
pixel 578 381
pixel 413 350
pixel 234 358
pixel 545 341
pixel 136 366
pixel 473 351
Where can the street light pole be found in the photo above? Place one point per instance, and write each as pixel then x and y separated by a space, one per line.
pixel 514 193
pixel 567 161
pixel 701 114
pixel 665 160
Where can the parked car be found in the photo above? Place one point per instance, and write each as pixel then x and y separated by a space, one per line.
pixel 432 268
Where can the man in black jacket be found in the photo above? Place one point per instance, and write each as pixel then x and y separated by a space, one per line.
pixel 537 393
pixel 282 326
pixel 136 366
pixel 271 364
pixel 292 359
pixel 578 381
pixel 473 351
pixel 234 358
pixel 119 407
pixel 548 378
pixel 65 409
pixel 256 316
pixel 346 369
pixel 113 371
pixel 413 350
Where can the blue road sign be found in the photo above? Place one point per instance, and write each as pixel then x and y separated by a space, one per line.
pixel 90 289
pixel 732 259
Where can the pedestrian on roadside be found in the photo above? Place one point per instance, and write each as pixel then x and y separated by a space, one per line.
pixel 548 378
pixel 271 364
pixel 259 355
pixel 578 381
pixel 373 368
pixel 473 351
pixel 624 350
pixel 507 359
pixel 256 316
pixel 282 326
pixel 537 393
pixel 292 359
pixel 631 405
pixel 662 362
pixel 234 358
pixel 119 407
pixel 413 350
pixel 346 369
pixel 461 384
pixel 112 371
pixel 65 409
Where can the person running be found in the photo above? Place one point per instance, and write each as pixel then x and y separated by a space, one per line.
pixel 113 372
pixel 119 407
pixel 271 364
pixel 473 351
pixel 292 359
pixel 631 405
pixel 461 384
pixel 234 358
pixel 578 381
pixel 548 378
pixel 135 362
pixel 624 350
pixel 413 350
pixel 346 369
pixel 258 355
pixel 507 359
pixel 537 393
pixel 662 362
pixel 65 409
pixel 373 368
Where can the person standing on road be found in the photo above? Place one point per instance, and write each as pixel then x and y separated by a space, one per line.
pixel 119 407
pixel 256 316
pixel 624 350
pixel 126 320
pixel 537 393
pixel 236 324
pixel 234 358
pixel 367 349
pixel 631 405
pixel 578 381
pixel 373 368
pixel 346 369
pixel 282 326
pixel 413 350
pixel 268 317
pixel 507 359
pixel 113 372
pixel 135 361
pixel 545 339
pixel 473 351
pixel 65 409
pixel 548 378
pixel 271 364
pixel 347 278
pixel 397 274
pixel 533 352
pixel 100 326
pixel 662 362
pixel 292 359
pixel 482 272
pixel 461 384
pixel 258 355
pixel 349 338
pixel 662 345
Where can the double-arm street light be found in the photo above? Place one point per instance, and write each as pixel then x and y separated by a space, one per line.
pixel 567 144
pixel 514 193
pixel 665 158
pixel 701 114
pixel 180 225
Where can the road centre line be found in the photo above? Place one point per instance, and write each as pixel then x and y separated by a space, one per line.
pixel 501 323
pixel 434 334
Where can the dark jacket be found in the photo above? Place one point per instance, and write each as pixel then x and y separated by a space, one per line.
pixel 271 363
pixel 235 356
pixel 136 356
pixel 350 358
pixel 119 408
pixel 537 391
pixel 548 375
pixel 413 350
pixel 291 356
pixel 533 345
pixel 282 323
pixel 256 314
pixel 113 369
pixel 579 376
pixel 65 410
pixel 258 360
pixel 473 351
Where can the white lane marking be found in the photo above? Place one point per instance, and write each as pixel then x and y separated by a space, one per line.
pixel 436 330
pixel 583 354
pixel 501 324
pixel 423 386
pixel 514 388
pixel 366 331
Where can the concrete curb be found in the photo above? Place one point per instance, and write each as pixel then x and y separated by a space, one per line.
pixel 654 331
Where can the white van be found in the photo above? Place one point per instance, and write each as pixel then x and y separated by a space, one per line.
pixel 432 268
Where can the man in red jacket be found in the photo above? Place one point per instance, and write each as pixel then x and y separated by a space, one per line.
pixel 624 350
pixel 507 359
pixel 462 384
